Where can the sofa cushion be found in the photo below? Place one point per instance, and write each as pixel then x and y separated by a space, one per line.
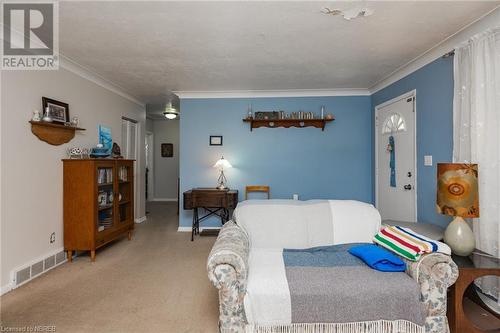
pixel 277 224
pixel 285 223
pixel 281 292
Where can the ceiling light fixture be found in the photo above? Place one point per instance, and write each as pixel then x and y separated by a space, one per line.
pixel 349 14
pixel 170 112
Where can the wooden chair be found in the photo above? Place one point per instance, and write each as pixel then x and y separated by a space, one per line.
pixel 257 188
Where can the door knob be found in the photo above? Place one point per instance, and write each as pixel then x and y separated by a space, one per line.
pixel 407 187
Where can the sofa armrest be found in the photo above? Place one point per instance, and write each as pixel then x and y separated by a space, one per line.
pixel 434 273
pixel 227 267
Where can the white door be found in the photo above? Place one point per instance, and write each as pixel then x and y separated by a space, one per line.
pixel 130 139
pixel 396 121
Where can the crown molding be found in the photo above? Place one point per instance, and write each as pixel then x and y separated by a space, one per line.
pixel 82 71
pixel 271 93
pixel 487 21
pixel 88 74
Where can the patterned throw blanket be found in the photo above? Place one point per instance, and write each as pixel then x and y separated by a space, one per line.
pixel 329 285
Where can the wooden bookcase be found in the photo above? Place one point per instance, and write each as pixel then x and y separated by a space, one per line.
pixel 98 203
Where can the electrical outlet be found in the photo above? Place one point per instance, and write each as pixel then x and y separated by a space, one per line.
pixel 52 237
pixel 295 197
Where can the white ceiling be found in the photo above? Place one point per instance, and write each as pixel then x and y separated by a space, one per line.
pixel 153 48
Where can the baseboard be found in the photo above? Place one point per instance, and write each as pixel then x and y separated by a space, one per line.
pixel 141 219
pixel 13 284
pixel 164 200
pixel 188 229
pixel 5 289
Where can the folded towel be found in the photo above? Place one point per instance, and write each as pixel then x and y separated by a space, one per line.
pixel 378 258
pixel 407 243
pixel 437 246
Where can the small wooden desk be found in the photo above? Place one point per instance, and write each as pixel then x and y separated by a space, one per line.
pixel 470 268
pixel 216 202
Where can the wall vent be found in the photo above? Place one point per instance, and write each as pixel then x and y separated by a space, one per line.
pixel 49 262
pixel 60 257
pixel 26 273
pixel 37 268
pixel 23 275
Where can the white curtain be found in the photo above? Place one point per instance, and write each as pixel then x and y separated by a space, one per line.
pixel 476 138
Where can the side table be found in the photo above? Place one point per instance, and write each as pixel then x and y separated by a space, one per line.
pixel 470 268
pixel 213 201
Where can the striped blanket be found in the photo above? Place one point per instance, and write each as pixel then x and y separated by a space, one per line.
pixel 408 243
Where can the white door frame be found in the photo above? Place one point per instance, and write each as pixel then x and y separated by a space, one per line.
pixel 137 163
pixel 151 163
pixel 410 94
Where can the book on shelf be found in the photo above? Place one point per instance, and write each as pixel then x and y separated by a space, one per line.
pixel 122 174
pixel 105 176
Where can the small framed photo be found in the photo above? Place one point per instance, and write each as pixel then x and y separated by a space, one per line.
pixel 215 140
pixel 167 150
pixel 58 111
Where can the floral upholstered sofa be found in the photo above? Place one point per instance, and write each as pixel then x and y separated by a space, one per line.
pixel 254 265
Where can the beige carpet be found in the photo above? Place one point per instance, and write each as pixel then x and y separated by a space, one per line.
pixel 155 283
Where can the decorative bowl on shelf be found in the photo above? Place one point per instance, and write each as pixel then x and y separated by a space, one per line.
pixel 99 152
pixel 78 152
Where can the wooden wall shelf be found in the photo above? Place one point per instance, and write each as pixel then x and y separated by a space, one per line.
pixel 53 133
pixel 318 123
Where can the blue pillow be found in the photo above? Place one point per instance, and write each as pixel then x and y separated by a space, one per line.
pixel 378 258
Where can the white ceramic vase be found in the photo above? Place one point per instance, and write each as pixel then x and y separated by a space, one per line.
pixel 459 237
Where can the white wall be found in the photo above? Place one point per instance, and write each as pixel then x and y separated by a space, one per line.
pixel 166 169
pixel 32 179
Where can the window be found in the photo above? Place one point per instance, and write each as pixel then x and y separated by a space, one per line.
pixel 394 123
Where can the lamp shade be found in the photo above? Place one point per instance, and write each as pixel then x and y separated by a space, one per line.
pixel 457 189
pixel 222 164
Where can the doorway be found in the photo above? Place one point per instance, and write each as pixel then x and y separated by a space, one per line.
pixel 395 158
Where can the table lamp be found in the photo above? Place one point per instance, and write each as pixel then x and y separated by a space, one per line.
pixel 457 195
pixel 222 164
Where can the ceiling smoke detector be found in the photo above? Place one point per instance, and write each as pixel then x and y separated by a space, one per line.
pixel 349 14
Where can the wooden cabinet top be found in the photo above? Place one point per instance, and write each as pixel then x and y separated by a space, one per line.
pixel 211 190
pixel 210 197
pixel 95 159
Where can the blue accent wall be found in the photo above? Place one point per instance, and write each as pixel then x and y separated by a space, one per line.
pixel 434 86
pixel 334 164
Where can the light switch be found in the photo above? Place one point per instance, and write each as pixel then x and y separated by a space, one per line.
pixel 295 197
pixel 428 160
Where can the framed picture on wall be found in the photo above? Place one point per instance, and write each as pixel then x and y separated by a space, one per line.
pixel 167 150
pixel 58 111
pixel 215 140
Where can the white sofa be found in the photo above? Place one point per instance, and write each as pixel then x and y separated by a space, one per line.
pixel 248 255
